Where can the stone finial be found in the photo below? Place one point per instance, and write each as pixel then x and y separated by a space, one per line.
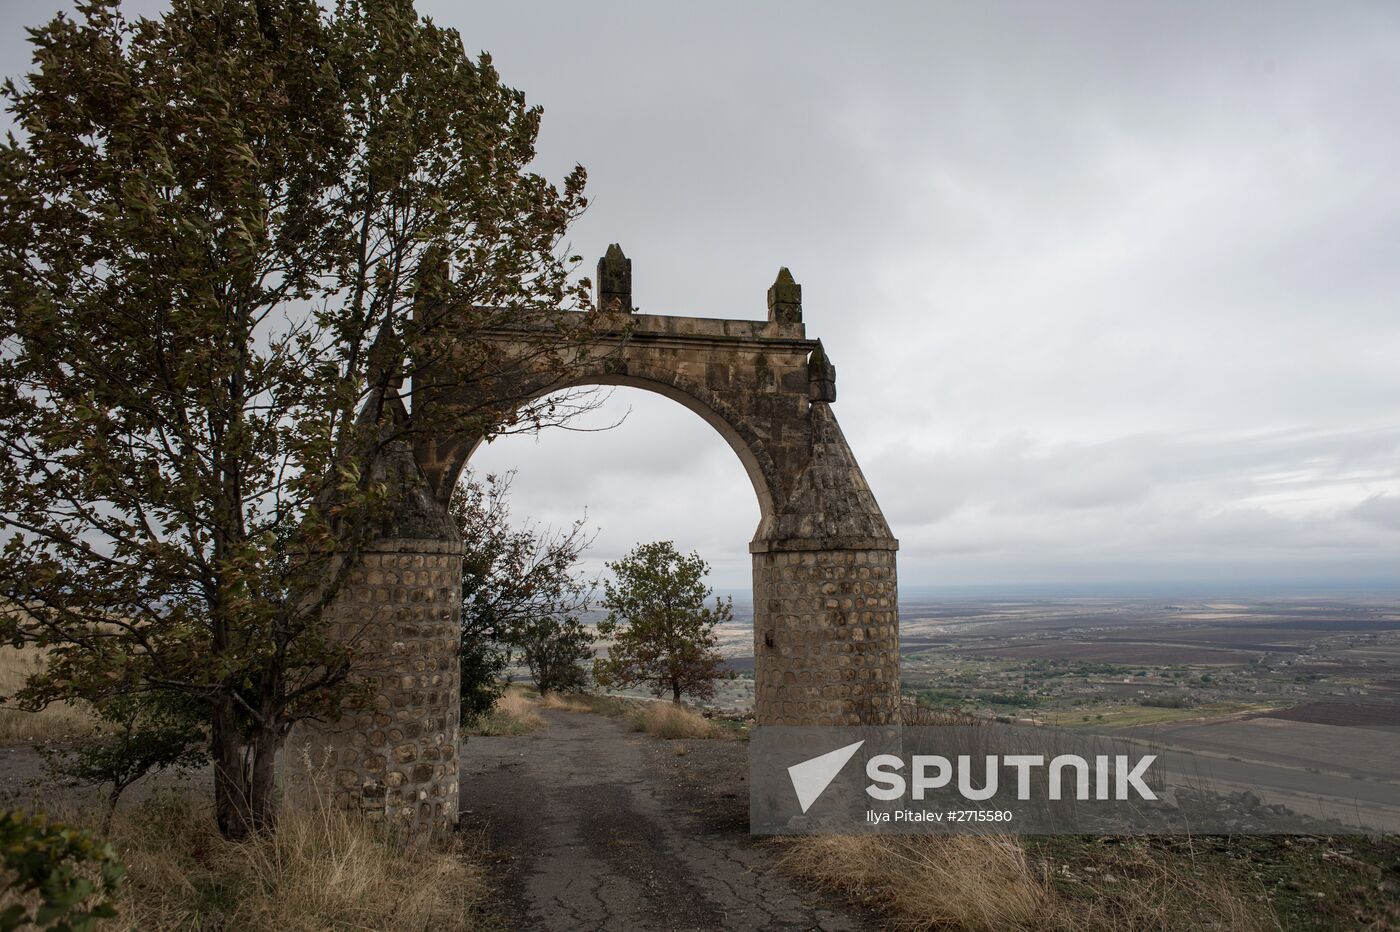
pixel 821 376
pixel 615 281
pixel 785 299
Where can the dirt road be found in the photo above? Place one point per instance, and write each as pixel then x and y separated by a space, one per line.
pixel 600 828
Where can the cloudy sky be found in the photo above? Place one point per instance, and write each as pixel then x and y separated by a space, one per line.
pixel 1113 289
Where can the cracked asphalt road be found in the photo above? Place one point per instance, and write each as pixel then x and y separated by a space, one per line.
pixel 601 828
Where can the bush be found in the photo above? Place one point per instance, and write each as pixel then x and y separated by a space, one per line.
pixel 483 661
pixel 322 869
pixel 60 867
pixel 668 720
pixel 137 735
pixel 1167 702
pixel 514 579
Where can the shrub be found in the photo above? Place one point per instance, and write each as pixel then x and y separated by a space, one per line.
pixel 138 735
pixel 668 720
pixel 61 867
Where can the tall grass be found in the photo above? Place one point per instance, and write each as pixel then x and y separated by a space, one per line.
pixel 56 721
pixel 980 884
pixel 670 720
pixel 513 714
pixel 926 883
pixel 571 702
pixel 322 869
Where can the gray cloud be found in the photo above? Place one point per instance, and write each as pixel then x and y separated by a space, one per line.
pixel 1380 509
pixel 1111 287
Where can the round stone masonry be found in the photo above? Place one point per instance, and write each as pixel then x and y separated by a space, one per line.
pixel 393 753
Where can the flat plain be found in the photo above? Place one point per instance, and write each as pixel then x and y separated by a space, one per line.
pixel 1293 698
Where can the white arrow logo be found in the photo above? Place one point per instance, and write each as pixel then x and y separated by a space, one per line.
pixel 811 777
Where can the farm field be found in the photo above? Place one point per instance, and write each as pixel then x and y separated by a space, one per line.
pixel 1294 699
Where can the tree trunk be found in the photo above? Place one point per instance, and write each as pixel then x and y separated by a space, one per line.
pixel 675 692
pixel 231 790
pixel 112 796
pixel 262 795
pixel 245 777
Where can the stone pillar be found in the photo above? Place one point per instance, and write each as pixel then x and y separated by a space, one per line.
pixel 614 281
pixel 825 590
pixel 785 299
pixel 826 637
pixel 393 754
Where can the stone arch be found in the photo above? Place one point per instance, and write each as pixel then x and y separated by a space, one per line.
pixel 825 591
pixel 748 447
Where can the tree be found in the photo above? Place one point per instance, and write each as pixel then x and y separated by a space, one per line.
pixel 512 578
pixel 136 736
pixel 230 239
pixel 663 633
pixel 555 650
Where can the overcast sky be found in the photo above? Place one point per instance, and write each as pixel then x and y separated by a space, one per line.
pixel 1113 289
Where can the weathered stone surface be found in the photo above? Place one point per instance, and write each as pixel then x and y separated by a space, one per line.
pixel 821 376
pixel 826 617
pixel 785 299
pixel 615 281
pixel 767 390
pixel 826 637
pixel 394 748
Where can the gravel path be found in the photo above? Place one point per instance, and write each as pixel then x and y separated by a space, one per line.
pixel 601 828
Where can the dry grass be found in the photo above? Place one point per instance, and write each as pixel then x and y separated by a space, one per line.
pixel 566 703
pixel 322 869
pixel 981 883
pixel 926 882
pixel 1129 886
pixel 612 706
pixel 669 720
pixel 55 721
pixel 515 713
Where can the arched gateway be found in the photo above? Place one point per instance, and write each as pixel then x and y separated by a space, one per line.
pixel 826 621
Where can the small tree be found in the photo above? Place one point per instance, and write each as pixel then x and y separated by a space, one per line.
pixel 555 650
pixel 663 633
pixel 516 581
pixel 137 735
